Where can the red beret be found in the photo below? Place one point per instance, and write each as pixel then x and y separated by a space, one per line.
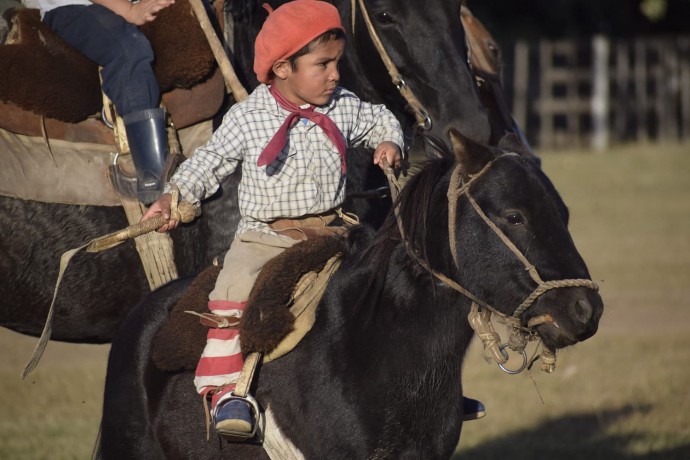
pixel 288 29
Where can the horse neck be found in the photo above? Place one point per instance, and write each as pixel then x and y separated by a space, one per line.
pixel 395 357
pixel 247 18
pixel 415 326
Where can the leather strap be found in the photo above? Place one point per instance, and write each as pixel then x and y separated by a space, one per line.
pixel 308 227
pixel 247 375
pixel 216 321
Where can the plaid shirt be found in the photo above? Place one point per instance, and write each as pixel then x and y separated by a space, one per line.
pixel 305 178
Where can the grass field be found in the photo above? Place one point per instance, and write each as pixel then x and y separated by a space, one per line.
pixel 624 394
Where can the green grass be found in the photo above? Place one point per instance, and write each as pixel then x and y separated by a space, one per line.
pixel 55 412
pixel 630 212
pixel 624 394
pixel 610 398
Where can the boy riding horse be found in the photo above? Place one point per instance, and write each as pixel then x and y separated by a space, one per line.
pixel 290 138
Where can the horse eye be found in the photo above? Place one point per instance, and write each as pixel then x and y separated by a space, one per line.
pixel 515 218
pixel 493 49
pixel 384 18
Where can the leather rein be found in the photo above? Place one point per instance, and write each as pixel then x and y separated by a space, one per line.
pixel 481 311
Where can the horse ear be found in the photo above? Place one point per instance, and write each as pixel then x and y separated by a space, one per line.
pixel 511 142
pixel 471 155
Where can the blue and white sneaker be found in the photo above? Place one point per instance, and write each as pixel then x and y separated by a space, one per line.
pixel 472 409
pixel 233 416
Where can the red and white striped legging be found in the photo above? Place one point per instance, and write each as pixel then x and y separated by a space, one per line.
pixel 221 362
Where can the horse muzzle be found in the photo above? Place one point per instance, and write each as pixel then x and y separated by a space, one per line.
pixel 572 315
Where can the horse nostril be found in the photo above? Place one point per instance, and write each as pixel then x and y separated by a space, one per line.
pixel 583 310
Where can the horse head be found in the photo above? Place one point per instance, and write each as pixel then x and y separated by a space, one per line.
pixel 412 56
pixel 525 265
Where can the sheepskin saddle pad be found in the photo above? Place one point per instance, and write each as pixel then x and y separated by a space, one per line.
pixel 43 74
pixel 280 309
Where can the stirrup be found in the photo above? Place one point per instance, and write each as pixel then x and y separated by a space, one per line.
pixel 240 436
pixel 124 184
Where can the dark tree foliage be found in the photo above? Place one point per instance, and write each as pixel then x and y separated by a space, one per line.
pixel 533 19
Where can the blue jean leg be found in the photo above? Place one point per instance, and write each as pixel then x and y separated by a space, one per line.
pixel 119 47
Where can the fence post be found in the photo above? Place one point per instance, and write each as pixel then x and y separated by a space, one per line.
pixel 521 83
pixel 630 90
pixel 641 106
pixel 600 93
pixel 546 131
pixel 621 99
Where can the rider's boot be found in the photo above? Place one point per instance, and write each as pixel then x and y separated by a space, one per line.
pixel 147 137
pixel 233 416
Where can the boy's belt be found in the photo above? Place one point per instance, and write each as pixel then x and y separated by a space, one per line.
pixel 303 228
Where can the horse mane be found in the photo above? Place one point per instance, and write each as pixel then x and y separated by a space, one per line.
pixel 414 204
pixel 414 207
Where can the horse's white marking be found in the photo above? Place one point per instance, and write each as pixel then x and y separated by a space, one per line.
pixel 276 445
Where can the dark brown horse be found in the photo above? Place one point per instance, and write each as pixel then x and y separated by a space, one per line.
pixel 379 375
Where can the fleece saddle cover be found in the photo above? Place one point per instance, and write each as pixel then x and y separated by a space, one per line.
pixel 43 74
pixel 280 309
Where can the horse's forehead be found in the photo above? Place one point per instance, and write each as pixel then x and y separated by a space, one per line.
pixel 520 179
pixel 514 175
pixel 427 15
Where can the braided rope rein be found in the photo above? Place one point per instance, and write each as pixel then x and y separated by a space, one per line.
pixel 183 212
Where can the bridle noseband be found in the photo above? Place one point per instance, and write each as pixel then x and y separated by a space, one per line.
pixel 481 310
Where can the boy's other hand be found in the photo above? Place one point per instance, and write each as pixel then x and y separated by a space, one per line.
pixel 161 207
pixel 390 151
pixel 146 10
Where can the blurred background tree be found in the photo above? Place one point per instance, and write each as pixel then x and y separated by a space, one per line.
pixel 532 19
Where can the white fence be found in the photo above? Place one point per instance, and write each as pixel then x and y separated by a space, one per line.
pixel 597 92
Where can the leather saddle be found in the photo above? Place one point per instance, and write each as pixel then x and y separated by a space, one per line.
pixel 280 309
pixel 49 89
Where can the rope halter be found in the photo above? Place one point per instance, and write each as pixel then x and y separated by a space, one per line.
pixel 480 314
